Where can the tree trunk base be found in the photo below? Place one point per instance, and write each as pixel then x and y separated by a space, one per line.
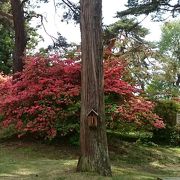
pixel 86 164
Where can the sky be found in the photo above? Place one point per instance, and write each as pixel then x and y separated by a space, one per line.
pixel 71 31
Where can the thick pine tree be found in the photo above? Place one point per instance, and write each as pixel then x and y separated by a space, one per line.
pixel 94 151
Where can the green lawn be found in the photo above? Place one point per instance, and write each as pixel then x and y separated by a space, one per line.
pixel 35 161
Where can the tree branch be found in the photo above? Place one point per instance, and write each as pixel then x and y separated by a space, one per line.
pixel 70 5
pixel 23 2
pixel 42 24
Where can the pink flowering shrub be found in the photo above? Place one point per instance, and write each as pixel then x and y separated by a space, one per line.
pixel 45 97
pixel 41 95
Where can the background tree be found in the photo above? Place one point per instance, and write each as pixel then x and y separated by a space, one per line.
pixel 17 34
pixel 93 140
pixel 12 14
pixel 161 88
pixel 20 34
pixel 169 46
pixel 166 79
pixel 131 45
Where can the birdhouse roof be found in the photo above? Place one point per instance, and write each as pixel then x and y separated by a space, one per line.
pixel 92 111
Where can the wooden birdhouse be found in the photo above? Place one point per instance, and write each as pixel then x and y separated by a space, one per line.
pixel 92 119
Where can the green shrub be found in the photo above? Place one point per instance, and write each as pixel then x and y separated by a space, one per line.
pixel 8 132
pixel 167 109
pixel 169 135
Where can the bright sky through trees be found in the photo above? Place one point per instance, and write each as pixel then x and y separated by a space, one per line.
pixel 72 32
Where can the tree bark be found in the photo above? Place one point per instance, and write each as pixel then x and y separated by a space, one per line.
pixel 94 151
pixel 20 35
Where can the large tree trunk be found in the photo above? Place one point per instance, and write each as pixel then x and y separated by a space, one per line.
pixel 94 151
pixel 20 35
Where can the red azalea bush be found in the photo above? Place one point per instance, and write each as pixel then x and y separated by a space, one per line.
pixel 41 95
pixel 45 97
pixel 139 110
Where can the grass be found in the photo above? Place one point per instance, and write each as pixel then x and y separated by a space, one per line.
pixel 23 160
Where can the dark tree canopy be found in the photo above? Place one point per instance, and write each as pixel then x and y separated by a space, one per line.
pixel 138 7
pixel 127 26
pixel 6 46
